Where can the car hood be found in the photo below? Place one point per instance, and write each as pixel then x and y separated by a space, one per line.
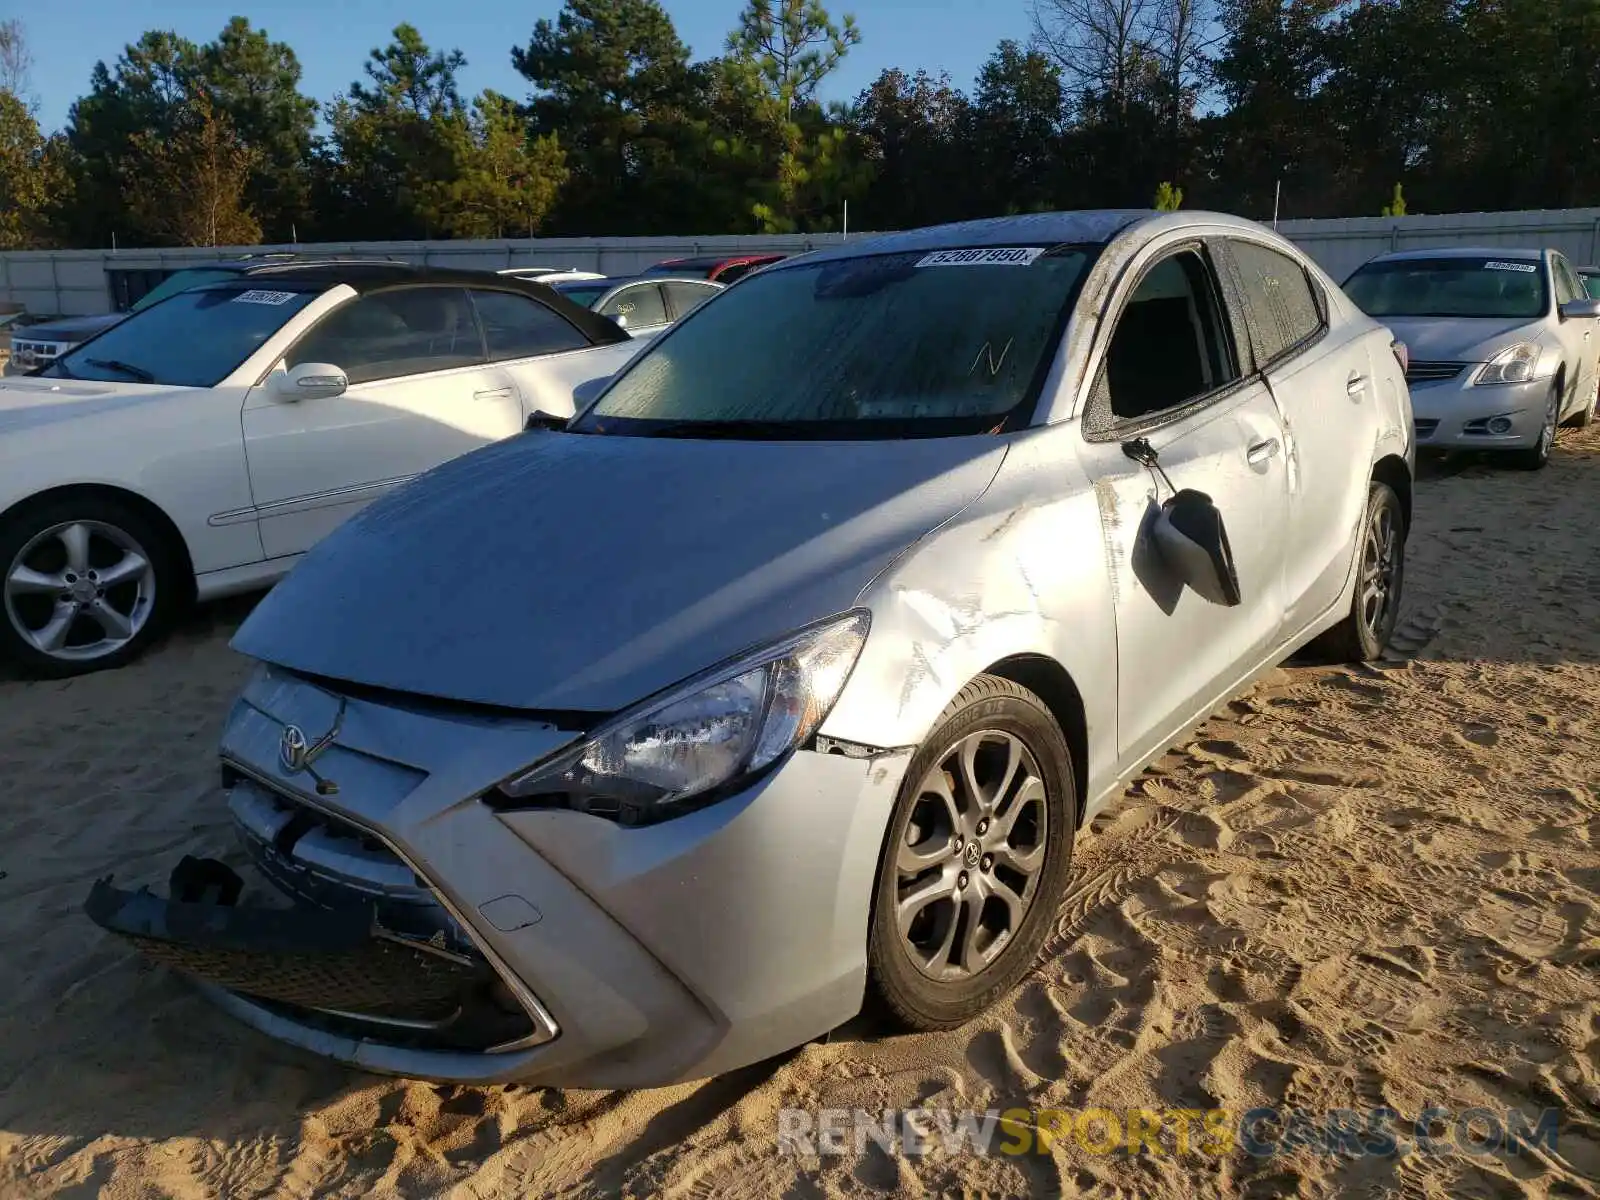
pixel 29 401
pixel 1460 339
pixel 576 572
pixel 67 329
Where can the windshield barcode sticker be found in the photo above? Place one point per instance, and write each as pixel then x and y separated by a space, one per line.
pixel 261 297
pixel 994 256
pixel 1525 268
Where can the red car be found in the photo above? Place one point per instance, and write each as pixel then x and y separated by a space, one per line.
pixel 713 267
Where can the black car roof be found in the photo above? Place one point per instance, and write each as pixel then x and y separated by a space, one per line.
pixel 371 275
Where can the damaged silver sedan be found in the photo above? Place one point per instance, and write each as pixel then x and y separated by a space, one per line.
pixel 779 682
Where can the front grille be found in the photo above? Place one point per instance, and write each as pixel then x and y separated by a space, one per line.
pixel 321 861
pixel 333 867
pixel 1433 372
pixel 1426 428
pixel 33 354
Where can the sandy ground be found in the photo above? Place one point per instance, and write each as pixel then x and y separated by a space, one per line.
pixel 1352 888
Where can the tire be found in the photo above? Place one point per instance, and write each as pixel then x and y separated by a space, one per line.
pixel 1363 634
pixel 1001 722
pixel 75 543
pixel 1584 417
pixel 1537 456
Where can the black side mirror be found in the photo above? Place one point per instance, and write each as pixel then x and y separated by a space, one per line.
pixel 539 419
pixel 1193 542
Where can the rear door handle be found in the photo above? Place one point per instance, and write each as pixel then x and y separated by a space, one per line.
pixel 1261 451
pixel 492 394
pixel 1355 385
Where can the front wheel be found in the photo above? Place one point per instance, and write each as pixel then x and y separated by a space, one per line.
pixel 1584 417
pixel 976 858
pixel 88 584
pixel 1535 457
pixel 1380 579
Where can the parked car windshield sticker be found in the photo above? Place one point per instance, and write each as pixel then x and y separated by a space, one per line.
pixel 994 256
pixel 1525 268
pixel 261 297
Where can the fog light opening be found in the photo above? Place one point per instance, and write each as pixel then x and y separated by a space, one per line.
pixel 1499 425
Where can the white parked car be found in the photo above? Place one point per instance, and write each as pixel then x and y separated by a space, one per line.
pixel 551 274
pixel 644 305
pixel 198 447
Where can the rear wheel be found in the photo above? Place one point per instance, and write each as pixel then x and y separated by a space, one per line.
pixel 88 583
pixel 1380 579
pixel 976 859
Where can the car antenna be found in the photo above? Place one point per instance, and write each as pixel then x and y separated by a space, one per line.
pixel 1142 452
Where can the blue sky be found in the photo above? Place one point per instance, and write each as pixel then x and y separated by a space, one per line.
pixel 332 37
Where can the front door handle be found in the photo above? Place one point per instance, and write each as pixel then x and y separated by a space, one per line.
pixel 1261 451
pixel 1355 385
pixel 492 394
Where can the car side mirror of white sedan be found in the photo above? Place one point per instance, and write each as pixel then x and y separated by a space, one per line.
pixel 309 381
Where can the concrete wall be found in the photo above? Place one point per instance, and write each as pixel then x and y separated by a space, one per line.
pixel 75 281
pixel 1342 245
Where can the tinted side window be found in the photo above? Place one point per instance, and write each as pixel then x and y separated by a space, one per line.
pixel 640 306
pixel 519 327
pixel 729 274
pixel 1281 308
pixel 685 296
pixel 1169 345
pixel 390 334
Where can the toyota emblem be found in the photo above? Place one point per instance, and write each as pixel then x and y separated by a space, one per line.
pixel 292 749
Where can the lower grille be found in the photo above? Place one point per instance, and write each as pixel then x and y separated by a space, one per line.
pixel 1426 428
pixel 334 870
pixel 324 961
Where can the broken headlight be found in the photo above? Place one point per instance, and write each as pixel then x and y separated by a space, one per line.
pixel 683 748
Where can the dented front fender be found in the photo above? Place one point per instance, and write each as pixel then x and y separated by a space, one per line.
pixel 1020 572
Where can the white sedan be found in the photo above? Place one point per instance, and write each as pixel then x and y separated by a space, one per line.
pixel 199 447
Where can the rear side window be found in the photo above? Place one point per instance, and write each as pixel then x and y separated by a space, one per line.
pixel 639 307
pixel 685 296
pixel 520 327
pixel 387 335
pixel 1281 308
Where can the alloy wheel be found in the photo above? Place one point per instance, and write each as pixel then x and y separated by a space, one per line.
pixel 1552 418
pixel 969 865
pixel 1379 559
pixel 80 590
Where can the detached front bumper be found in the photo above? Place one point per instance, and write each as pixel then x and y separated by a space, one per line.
pixel 1453 415
pixel 341 964
pixel 414 931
